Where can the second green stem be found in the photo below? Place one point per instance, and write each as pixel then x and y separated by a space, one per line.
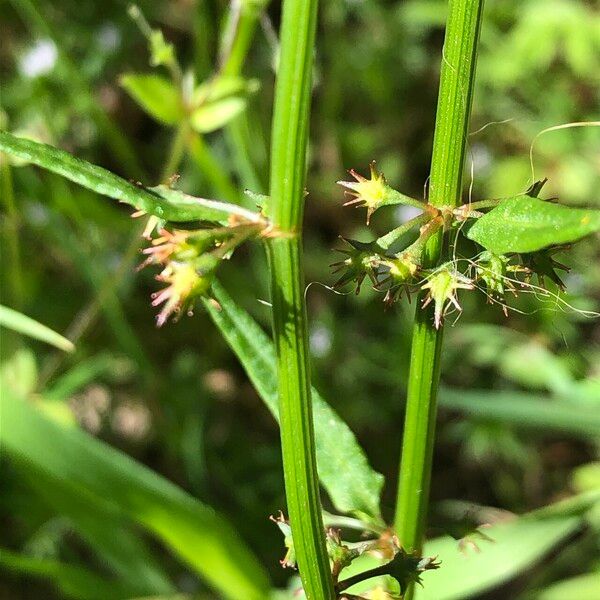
pixel 451 131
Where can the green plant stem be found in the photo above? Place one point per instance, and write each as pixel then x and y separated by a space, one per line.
pixel 176 152
pixel 288 166
pixel 211 168
pixel 387 240
pixel 11 229
pixel 451 131
pixel 238 33
pixel 247 149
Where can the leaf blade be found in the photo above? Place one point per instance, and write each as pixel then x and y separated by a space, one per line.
pixel 524 410
pixel 73 581
pixel 351 483
pixel 156 95
pixel 517 545
pixel 166 204
pixel 526 224
pixel 25 325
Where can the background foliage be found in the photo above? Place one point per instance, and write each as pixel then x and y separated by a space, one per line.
pixel 521 434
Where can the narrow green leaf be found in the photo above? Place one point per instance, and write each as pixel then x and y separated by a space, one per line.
pixel 193 531
pixel 351 483
pixel 204 209
pixel 526 411
pixel 156 95
pixel 160 201
pixel 525 224
pixel 517 545
pixel 21 323
pixel 73 582
pixel 105 531
pixel 80 375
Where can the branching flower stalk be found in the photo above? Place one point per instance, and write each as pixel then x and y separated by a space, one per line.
pixel 452 120
pixel 288 167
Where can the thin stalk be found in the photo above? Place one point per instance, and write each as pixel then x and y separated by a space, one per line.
pixel 238 33
pixel 389 239
pixel 176 151
pixel 11 227
pixel 236 39
pixel 288 167
pixel 211 168
pixel 451 131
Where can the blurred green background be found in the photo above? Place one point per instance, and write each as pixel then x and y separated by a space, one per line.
pixel 175 398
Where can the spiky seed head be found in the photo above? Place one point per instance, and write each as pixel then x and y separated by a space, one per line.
pixel 442 286
pixel 371 193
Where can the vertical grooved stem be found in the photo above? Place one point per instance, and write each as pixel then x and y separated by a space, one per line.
pixel 451 131
pixel 288 166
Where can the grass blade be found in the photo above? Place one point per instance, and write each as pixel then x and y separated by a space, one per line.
pixel 105 531
pixel 74 582
pixel 12 319
pixel 193 531
pixel 525 410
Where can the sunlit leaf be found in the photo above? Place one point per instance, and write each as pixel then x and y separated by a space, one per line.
pixel 88 467
pixel 219 101
pixel 525 224
pixel 517 546
pixel 351 483
pixel 214 115
pixel 25 325
pixel 156 95
pixel 19 372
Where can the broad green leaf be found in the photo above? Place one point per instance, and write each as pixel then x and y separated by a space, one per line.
pixel 30 327
pixel 73 582
pixel 584 587
pixel 90 468
pixel 351 483
pixel 156 95
pixel 525 410
pixel 218 101
pixel 525 224
pixel 160 201
pixel 517 545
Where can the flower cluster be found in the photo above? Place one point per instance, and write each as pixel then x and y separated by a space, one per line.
pixel 374 193
pixel 405 567
pixel 189 261
pixel 394 268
